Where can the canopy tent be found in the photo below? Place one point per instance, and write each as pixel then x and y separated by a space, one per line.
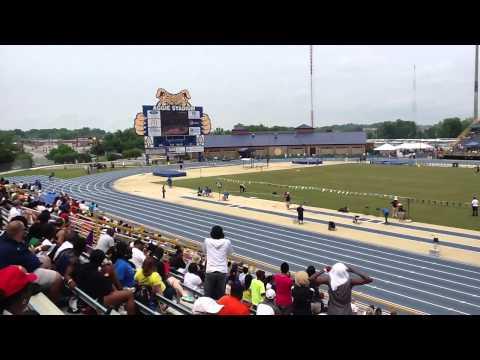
pixel 168 173
pixel 413 146
pixel 385 147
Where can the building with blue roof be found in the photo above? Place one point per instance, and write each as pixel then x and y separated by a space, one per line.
pixel 304 141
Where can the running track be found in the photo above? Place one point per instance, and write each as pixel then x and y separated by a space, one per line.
pixel 427 284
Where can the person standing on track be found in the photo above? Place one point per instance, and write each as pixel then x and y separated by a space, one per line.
pixel 300 214
pixel 163 191
pixel 386 212
pixel 475 206
pixel 287 200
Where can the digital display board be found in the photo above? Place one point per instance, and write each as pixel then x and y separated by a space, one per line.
pixel 174 123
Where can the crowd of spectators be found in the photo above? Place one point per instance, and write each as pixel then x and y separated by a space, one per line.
pixel 40 250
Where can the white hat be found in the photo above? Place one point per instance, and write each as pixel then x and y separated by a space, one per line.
pixel 270 294
pixel 206 305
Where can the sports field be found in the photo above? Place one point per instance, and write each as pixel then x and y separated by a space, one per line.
pixel 442 195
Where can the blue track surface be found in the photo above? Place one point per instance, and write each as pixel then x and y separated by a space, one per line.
pixel 431 285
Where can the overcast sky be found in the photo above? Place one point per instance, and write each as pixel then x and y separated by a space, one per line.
pixel 105 86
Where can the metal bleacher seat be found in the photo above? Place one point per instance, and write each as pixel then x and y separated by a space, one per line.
pixel 42 305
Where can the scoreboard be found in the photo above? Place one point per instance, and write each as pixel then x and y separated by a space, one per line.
pixel 172 129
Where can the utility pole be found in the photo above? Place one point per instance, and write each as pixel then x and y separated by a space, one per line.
pixel 311 85
pixel 475 101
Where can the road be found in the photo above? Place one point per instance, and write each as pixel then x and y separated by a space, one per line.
pixel 427 284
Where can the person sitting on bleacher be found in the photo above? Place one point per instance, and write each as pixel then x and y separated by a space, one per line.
pixel 173 285
pixel 13 251
pixel 176 260
pixel 206 306
pixel 138 254
pixel 232 304
pixel 124 269
pixel 268 306
pixel 149 282
pixel 70 257
pixel 16 288
pixel 106 240
pixel 97 282
pixel 192 279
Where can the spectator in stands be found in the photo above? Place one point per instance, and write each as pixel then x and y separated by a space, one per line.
pixel 302 294
pixel 206 306
pixel 192 279
pixel 378 311
pixel 233 276
pixel 217 249
pixel 149 277
pixel 247 293
pixel 340 285
pixel 176 260
pixel 257 287
pixel 268 306
pixel 106 240
pixel 138 255
pixel 70 257
pixel 37 231
pixel 318 305
pixel 283 288
pixel 16 210
pixel 241 276
pixel 16 288
pixel 124 270
pixel 13 251
pixel 232 304
pixel 99 284
pixel 172 285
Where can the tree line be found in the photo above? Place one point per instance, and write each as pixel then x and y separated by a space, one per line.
pixel 398 129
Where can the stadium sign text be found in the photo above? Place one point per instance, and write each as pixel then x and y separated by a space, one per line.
pixel 175 108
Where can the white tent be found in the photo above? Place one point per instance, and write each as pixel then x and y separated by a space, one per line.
pixel 385 147
pixel 413 146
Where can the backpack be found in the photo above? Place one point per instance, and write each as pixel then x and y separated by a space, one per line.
pixel 331 226
pixel 145 295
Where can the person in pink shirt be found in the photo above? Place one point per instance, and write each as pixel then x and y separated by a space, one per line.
pixel 283 288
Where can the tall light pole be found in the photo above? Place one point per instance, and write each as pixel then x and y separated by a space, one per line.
pixel 475 101
pixel 311 85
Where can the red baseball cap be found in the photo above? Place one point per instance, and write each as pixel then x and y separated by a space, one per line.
pixel 13 279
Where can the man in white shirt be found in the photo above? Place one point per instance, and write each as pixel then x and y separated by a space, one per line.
pixel 106 241
pixel 475 206
pixel 137 254
pixel 15 210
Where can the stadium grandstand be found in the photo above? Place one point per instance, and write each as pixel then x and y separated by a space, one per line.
pixel 61 255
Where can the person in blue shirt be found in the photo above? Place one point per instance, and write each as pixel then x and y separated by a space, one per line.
pixel 124 270
pixel 386 212
pixel 14 251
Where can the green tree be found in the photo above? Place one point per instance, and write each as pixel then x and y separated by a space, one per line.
pixel 450 128
pixel 131 153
